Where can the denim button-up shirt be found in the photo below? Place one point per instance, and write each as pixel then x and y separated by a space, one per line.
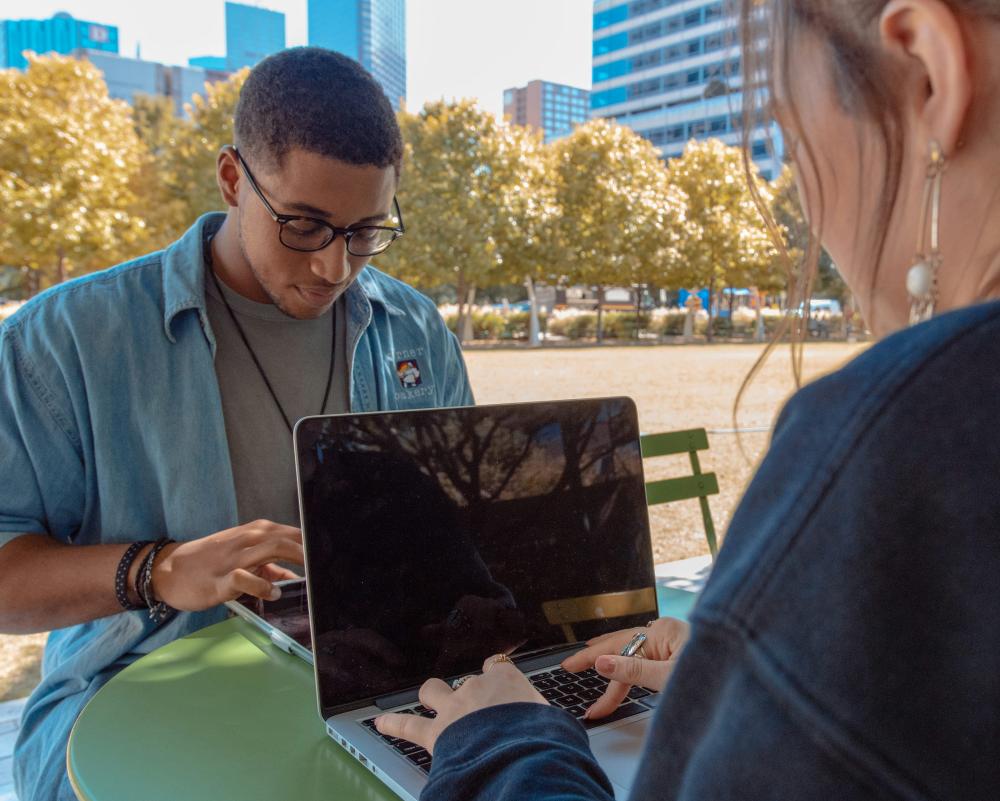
pixel 111 430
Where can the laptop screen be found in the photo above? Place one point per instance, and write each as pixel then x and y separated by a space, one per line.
pixel 435 538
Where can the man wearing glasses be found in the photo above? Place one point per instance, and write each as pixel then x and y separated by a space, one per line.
pixel 146 411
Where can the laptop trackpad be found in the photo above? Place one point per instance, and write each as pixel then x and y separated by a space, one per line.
pixel 618 750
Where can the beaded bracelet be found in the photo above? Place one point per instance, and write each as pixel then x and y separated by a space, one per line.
pixel 158 610
pixel 121 575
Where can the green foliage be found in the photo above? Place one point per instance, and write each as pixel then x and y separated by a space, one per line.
pixel 519 324
pixel 185 157
pixel 473 196
pixel 69 161
pixel 616 212
pixel 670 324
pixel 724 241
pixel 486 324
pixel 85 182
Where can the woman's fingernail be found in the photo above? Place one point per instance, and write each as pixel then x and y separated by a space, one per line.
pixel 275 593
pixel 605 664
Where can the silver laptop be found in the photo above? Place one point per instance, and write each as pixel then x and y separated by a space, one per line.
pixel 435 538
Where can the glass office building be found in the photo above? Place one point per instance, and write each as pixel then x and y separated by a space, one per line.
pixel 252 34
pixel 670 70
pixel 553 108
pixel 371 31
pixel 60 34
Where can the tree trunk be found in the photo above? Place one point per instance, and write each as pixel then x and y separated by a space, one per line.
pixel 600 313
pixel 711 305
pixel 534 327
pixel 460 295
pixel 34 282
pixel 61 265
pixel 760 334
pixel 638 310
pixel 467 331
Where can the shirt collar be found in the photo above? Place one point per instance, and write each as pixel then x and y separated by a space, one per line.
pixel 184 277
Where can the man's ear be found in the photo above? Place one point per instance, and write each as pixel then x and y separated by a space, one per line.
pixel 929 32
pixel 227 174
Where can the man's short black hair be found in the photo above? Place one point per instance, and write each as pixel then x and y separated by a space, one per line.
pixel 319 101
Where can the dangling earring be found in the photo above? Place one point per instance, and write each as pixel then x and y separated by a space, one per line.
pixel 922 279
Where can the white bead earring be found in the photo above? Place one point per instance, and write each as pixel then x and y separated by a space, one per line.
pixel 922 279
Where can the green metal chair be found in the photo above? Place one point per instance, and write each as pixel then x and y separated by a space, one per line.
pixel 699 485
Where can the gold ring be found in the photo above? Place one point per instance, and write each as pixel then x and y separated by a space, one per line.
pixel 496 660
pixel 460 681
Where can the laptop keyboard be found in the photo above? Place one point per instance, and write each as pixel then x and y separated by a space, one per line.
pixel 574 692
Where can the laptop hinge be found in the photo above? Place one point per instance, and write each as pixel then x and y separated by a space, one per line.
pixel 397 699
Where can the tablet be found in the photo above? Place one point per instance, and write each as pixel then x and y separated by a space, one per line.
pixel 285 621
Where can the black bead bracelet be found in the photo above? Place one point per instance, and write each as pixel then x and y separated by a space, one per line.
pixel 121 575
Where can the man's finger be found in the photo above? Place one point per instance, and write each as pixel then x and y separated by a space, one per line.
pixel 271 551
pixel 274 572
pixel 255 534
pixel 649 673
pixel 413 728
pixel 243 581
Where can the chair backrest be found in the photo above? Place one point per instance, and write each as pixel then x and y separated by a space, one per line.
pixel 698 485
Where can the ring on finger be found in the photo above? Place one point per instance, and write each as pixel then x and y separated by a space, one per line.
pixel 496 660
pixel 460 681
pixel 634 646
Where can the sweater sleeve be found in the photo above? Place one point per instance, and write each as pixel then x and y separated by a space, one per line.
pixel 516 751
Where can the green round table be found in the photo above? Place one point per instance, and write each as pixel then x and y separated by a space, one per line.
pixel 219 714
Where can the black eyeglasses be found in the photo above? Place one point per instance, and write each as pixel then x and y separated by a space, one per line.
pixel 307 234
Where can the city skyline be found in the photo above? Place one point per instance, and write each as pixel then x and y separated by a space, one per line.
pixel 441 35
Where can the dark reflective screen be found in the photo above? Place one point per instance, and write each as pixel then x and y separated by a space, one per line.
pixel 436 538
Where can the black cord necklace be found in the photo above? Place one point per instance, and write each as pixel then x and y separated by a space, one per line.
pixel 243 336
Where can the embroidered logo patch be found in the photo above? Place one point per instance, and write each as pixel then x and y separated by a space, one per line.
pixel 409 373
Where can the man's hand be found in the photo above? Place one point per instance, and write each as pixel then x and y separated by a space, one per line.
pixel 664 640
pixel 500 683
pixel 197 575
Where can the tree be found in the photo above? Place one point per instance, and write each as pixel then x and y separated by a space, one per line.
pixel 166 208
pixel 788 214
pixel 618 217
pixel 69 158
pixel 185 153
pixel 469 188
pixel 725 242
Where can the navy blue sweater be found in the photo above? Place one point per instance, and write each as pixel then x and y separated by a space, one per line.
pixel 847 645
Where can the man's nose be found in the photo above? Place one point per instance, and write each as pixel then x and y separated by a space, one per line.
pixel 332 263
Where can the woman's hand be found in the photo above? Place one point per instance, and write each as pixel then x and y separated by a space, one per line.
pixel 500 683
pixel 203 573
pixel 664 640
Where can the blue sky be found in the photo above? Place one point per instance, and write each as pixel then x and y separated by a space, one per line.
pixel 456 48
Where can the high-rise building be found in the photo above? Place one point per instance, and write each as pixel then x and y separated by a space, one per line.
pixel 670 70
pixel 128 77
pixel 252 34
pixel 372 32
pixel 60 34
pixel 208 62
pixel 552 108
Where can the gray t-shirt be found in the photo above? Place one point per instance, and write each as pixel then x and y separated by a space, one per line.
pixel 295 356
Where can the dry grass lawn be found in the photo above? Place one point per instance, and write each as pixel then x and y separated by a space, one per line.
pixel 673 387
